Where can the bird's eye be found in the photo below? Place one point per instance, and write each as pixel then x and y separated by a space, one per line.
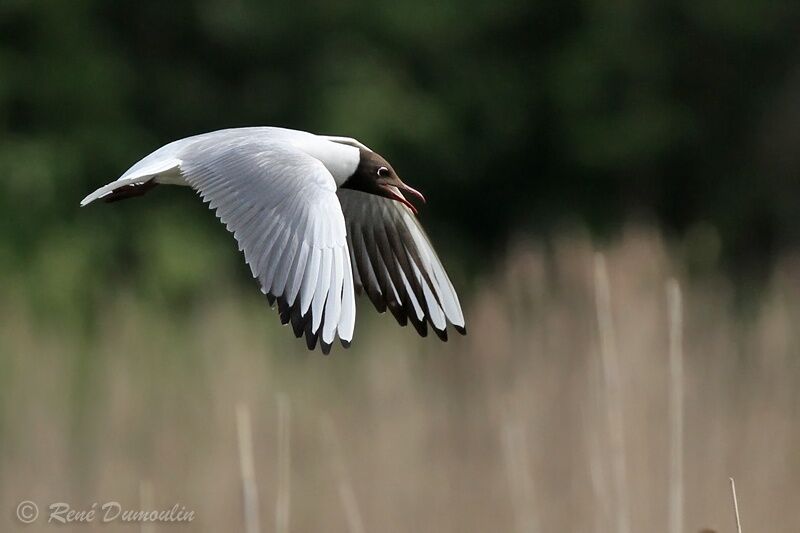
pixel 383 172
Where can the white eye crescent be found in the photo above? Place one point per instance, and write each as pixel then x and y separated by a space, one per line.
pixel 383 172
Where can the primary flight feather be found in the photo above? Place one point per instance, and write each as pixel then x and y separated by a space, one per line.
pixel 319 218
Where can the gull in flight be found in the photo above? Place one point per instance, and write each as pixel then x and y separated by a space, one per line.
pixel 319 219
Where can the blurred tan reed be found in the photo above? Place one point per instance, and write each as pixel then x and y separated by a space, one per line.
pixel 146 503
pixel 613 392
pixel 515 455
pixel 347 495
pixel 284 500
pixel 247 470
pixel 735 502
pixel 675 313
pixel 579 401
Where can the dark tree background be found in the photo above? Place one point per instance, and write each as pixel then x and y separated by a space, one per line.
pixel 514 117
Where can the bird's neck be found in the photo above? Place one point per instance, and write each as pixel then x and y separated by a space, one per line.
pixel 341 160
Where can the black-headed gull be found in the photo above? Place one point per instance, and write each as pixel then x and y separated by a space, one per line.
pixel 319 218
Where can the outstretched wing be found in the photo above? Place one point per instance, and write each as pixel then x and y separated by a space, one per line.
pixel 395 264
pixel 281 206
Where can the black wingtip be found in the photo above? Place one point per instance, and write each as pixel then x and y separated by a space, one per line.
pixel 345 344
pixel 398 313
pixel 461 329
pixel 299 321
pixel 283 312
pixel 311 342
pixel 311 337
pixel 441 333
pixel 326 348
pixel 421 327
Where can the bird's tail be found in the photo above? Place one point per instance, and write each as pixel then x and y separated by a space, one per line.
pixel 129 191
pixel 140 179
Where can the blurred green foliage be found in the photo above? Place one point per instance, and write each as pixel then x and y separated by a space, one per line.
pixel 513 116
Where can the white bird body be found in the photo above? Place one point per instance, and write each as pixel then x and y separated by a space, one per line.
pixel 317 218
pixel 163 165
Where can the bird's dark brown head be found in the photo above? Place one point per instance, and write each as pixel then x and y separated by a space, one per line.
pixel 374 175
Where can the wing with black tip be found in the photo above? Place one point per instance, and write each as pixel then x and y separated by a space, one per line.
pixel 280 204
pixel 396 266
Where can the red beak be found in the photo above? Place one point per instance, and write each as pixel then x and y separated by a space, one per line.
pixel 394 192
pixel 412 191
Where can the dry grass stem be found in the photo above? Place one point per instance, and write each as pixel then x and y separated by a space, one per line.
pixel 247 469
pixel 283 503
pixel 515 455
pixel 675 313
pixel 146 503
pixel 347 496
pixel 598 479
pixel 613 389
pixel 735 506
